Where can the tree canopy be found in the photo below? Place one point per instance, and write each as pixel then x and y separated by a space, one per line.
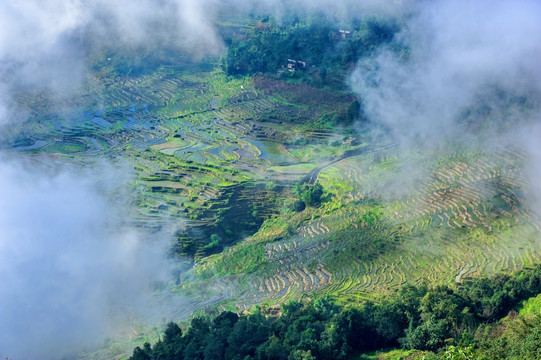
pixel 267 46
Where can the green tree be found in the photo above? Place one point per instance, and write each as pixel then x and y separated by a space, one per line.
pixel 309 194
pixel 301 355
pixel 221 327
pixel 140 354
pixel 459 353
pixel 196 338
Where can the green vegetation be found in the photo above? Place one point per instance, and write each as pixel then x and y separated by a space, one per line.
pixel 417 317
pixel 531 306
pixel 310 195
pixel 267 45
pixel 245 259
pixel 516 338
pixel 223 150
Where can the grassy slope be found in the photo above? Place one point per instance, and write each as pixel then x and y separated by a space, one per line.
pixel 462 220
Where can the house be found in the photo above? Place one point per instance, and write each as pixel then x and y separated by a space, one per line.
pixel 346 34
pixel 342 34
pixel 293 65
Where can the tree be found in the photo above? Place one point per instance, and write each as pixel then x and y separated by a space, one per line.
pixel 196 338
pixel 309 194
pixel 220 329
pixel 173 333
pixel 301 355
pixel 140 354
pixel 247 335
pixel 459 353
pixel 299 205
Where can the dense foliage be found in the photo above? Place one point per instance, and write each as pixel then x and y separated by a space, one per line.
pixel 267 46
pixel 309 195
pixel 421 317
pixel 516 338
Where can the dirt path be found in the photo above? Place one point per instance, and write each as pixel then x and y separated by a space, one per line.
pixel 314 174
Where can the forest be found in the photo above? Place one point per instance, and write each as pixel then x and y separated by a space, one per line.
pixel 315 40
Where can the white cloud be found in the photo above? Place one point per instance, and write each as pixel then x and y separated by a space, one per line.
pixel 459 53
pixel 70 265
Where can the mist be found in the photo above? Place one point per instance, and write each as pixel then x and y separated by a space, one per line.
pixel 49 44
pixel 457 55
pixel 465 73
pixel 72 268
pixel 69 258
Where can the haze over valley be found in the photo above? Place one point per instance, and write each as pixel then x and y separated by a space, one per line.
pixel 174 165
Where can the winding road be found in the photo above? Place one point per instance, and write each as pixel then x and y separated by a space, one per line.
pixel 314 174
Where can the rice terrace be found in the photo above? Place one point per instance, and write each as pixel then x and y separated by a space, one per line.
pixel 308 170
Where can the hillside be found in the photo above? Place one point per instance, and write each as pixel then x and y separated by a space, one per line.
pixel 278 172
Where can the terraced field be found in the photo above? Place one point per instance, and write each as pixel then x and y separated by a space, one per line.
pixel 220 156
pixel 195 139
pixel 466 218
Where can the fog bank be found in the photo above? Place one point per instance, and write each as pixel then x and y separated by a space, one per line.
pixel 457 56
pixel 69 260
